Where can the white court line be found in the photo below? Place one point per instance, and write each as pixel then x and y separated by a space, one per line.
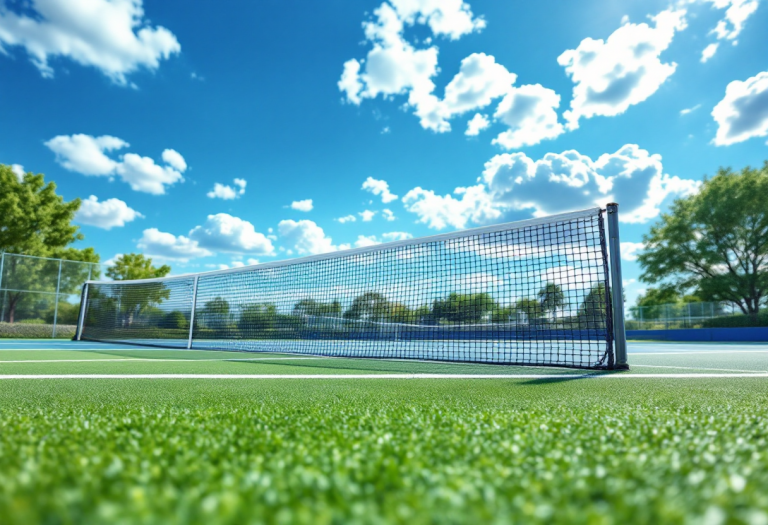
pixel 712 352
pixel 383 376
pixel 635 365
pixel 158 360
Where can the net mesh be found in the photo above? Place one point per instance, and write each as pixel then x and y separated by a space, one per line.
pixel 534 293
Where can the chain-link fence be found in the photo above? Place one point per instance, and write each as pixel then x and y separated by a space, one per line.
pixel 40 297
pixel 670 316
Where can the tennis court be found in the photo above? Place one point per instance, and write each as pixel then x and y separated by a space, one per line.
pixel 63 359
pixel 95 432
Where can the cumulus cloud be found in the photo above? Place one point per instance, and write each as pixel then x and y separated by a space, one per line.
pixel 306 237
pixel 367 215
pixel 689 110
pixel 363 241
pixel 472 204
pixel 112 36
pixel 530 112
pixel 709 52
pixel 379 187
pixel 346 218
pixel 18 170
pixel 477 124
pixel 612 75
pixel 556 183
pixel 304 205
pixel 743 112
pixel 449 18
pixel 396 236
pixel 372 240
pixel 168 246
pixel 388 214
pixel 569 180
pixel 227 192
pixel 629 250
pixel 106 214
pixel 225 233
pixel 730 26
pixel 88 155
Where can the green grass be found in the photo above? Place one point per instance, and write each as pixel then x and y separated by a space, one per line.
pixel 381 451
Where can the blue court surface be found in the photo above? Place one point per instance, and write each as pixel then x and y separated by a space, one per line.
pixel 39 359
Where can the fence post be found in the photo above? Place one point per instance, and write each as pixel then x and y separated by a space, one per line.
pixel 617 296
pixel 56 306
pixel 192 315
pixel 81 317
pixel 2 263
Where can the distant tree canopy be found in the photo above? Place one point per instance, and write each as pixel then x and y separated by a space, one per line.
pixel 715 243
pixel 35 221
pixel 464 308
pixel 552 298
pixel 135 266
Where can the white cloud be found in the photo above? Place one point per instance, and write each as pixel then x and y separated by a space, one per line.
pixel 240 264
pixel 142 174
pixel 227 192
pixel 346 218
pixel 87 155
pixel 396 236
pixel 629 250
pixel 530 112
pixel 388 214
pixel 225 233
pixel 709 52
pixel 736 14
pixel 477 124
pixel 174 159
pixel 363 241
pixel 564 181
pixel 306 236
pixel 556 183
pixel 367 215
pixel 18 170
pixel 106 214
pixel 690 110
pixel 449 18
pixel 379 187
pixel 437 211
pixel 621 71
pixel 167 246
pixel 743 112
pixel 305 205
pixel 112 36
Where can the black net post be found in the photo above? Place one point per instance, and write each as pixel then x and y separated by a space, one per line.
pixel 619 335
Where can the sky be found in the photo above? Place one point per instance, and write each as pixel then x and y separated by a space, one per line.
pixel 213 135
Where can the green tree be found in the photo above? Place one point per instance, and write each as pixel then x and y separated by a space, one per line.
pixel 464 308
pixel 311 307
pixel 715 242
pixel 592 311
pixel 35 221
pixel 370 306
pixel 135 266
pixel 551 297
pixel 531 308
pixel 256 319
pixel 655 300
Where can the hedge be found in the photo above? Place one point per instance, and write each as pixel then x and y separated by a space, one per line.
pixel 737 321
pixel 35 331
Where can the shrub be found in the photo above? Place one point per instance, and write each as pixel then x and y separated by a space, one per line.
pixel 35 331
pixel 738 321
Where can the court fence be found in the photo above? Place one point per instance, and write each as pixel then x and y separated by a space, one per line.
pixel 691 315
pixel 39 296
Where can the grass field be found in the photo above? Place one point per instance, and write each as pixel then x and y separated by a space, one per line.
pixel 91 433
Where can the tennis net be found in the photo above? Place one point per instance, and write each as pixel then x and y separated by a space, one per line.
pixel 534 292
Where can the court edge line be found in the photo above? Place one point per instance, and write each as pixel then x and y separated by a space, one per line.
pixel 148 359
pixel 384 376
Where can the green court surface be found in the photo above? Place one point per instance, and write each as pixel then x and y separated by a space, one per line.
pixel 94 433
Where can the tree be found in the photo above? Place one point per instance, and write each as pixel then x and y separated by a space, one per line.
pixel 311 307
pixel 593 310
pixel 654 301
pixel 370 306
pixel 715 242
pixel 551 297
pixel 464 308
pixel 35 221
pixel 215 314
pixel 135 266
pixel 531 308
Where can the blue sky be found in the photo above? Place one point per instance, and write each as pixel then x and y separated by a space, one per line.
pixel 200 134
